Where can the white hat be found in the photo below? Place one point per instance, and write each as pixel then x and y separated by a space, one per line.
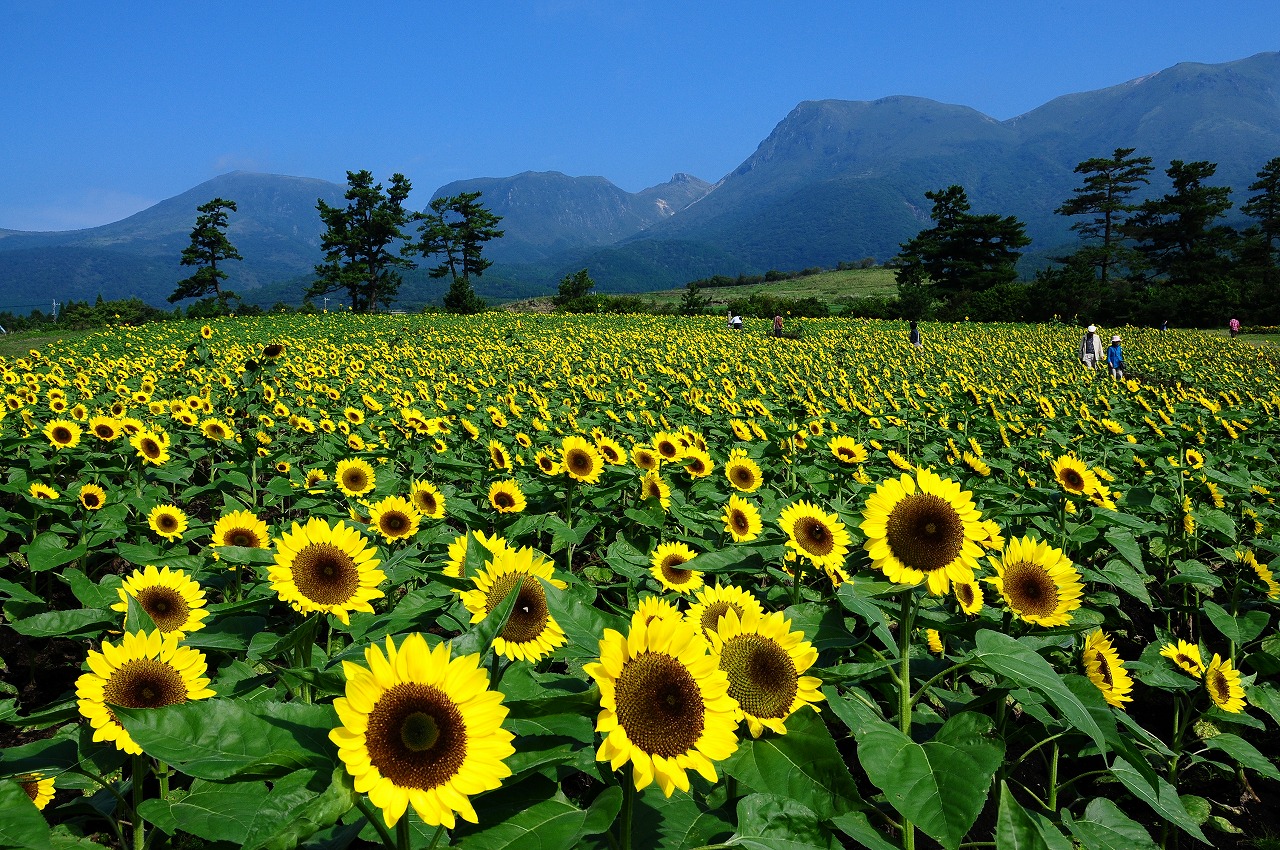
pixel 1092 328
pixel 1115 338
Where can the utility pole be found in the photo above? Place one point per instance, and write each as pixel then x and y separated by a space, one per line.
pixel 326 303
pixel 55 311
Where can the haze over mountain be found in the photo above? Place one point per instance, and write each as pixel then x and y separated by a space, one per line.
pixel 835 180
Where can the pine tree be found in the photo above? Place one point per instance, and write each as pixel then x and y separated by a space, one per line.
pixel 209 244
pixel 1178 234
pixel 359 242
pixel 1104 197
pixel 456 229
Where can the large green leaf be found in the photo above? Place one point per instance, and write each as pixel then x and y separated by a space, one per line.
pixel 1105 827
pixel 22 827
pixel 1240 628
pixel 298 806
pixel 1123 542
pixel 1162 797
pixel 677 822
pixel 1007 657
pixel 77 622
pixel 803 764
pixel 1244 753
pixel 941 786
pixel 859 828
pixel 212 811
pixel 49 550
pixel 219 738
pixel 1018 829
pixel 56 753
pixel 770 822
pixel 551 822
pixel 582 622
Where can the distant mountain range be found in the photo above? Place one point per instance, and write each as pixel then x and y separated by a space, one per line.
pixel 835 180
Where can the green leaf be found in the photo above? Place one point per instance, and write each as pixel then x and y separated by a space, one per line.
pixel 139 556
pixel 22 827
pixel 18 592
pixel 677 822
pixel 1246 754
pixel 1007 657
pixel 1123 542
pixel 941 786
pixel 1217 521
pixel 212 811
pixel 219 738
pixel 856 826
pixel 552 822
pixel 480 636
pixel 1162 797
pixel 78 622
pixel 227 633
pixel 298 806
pixel 1127 579
pixel 1018 829
pixel 1239 629
pixel 1266 698
pixel 93 595
pixel 583 623
pixel 1105 827
pixel 136 617
pixel 49 550
pixel 803 764
pixel 56 753
pixel 245 555
pixel 779 823
pixel 749 559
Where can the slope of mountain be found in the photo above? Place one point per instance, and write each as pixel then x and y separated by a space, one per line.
pixel 545 214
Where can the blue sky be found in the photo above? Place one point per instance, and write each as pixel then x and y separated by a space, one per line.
pixel 110 107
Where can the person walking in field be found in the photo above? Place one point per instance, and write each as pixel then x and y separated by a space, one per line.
pixel 1091 348
pixel 914 335
pixel 1115 359
pixel 1234 327
pixel 777 325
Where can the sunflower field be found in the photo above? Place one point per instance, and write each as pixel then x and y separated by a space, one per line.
pixel 637 582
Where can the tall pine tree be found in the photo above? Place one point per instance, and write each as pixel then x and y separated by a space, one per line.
pixel 360 242
pixel 1104 197
pixel 456 229
pixel 1179 235
pixel 209 245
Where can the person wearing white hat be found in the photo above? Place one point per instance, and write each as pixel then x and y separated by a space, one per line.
pixel 1115 359
pixel 1091 348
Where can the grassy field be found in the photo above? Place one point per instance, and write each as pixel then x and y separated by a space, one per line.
pixel 18 344
pixel 827 286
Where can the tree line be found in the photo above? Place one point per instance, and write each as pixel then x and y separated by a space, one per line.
pixel 366 244
pixel 1168 258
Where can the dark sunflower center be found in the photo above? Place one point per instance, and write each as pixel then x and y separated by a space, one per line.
pixel 91 500
pixel 671 569
pixel 844 453
pixel 813 536
pixel 659 704
pixel 762 676
pixel 394 522
pixel 712 613
pixel 165 606
pixel 31 787
pixel 325 574
pixel 1220 688
pixel 579 461
pixel 145 683
pixel 62 434
pixel 964 592
pixel 1031 589
pixel 644 460
pixel 1072 480
pixel 529 618
pixel 696 466
pixel 104 432
pixel 1104 670
pixel 241 537
pixel 151 448
pixel 426 502
pixel 925 532
pixel 738 521
pixel 355 479
pixel 743 476
pixel 667 449
pixel 416 736
pixel 167 522
pixel 503 499
pixel 274 350
pixel 610 454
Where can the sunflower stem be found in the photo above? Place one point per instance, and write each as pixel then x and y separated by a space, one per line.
pixel 904 694
pixel 1053 780
pixel 138 777
pixel 795 590
pixel 628 810
pixel 402 833
pixel 376 822
pixel 435 839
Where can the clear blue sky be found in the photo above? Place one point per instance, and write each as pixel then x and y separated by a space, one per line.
pixel 106 108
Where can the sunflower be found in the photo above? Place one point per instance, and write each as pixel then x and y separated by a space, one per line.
pixel 104 428
pixel 171 599
pixel 697 462
pixel 714 602
pixel 645 458
pixel 1073 476
pixel 1038 582
pixel 666 561
pixel 457 553
pixel 817 535
pixel 848 450
pixel 354 415
pixel 428 499
pixel 214 428
pixel 420 728
pixel 167 521
pixel 152 447
pixel 651 607
pixel 326 569
pixel 42 491
pixel 354 476
pixel 1222 681
pixel 1186 656
pixel 653 487
pixel 241 528
pixel 499 457
pixel 741 520
pixel 38 787
pixel 611 450
pixel 206 332
pixel 314 478
pixel 530 632
pixel 743 472
pixel 63 433
pixel 969 595
pixel 547 463
pixel 933 639
pixel 92 497
pixel 993 535
pixel 146 670
pixel 924 527
pixel 899 461
pixel 273 351
pixel 1105 669
pixel 581 460
pixel 1262 571
pixel 669 446
pixel 765 661
pixel 665 706
pixel 506 497
pixel 395 518
pixel 1195 459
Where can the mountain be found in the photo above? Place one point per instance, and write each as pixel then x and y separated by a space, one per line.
pixel 841 180
pixel 547 214
pixel 835 181
pixel 275 228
